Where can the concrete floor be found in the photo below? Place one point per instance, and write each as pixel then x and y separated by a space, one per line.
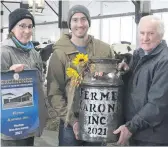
pixel 49 138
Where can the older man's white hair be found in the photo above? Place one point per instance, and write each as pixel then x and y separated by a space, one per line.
pixel 159 22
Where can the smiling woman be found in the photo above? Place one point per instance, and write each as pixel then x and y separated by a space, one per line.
pixel 23 30
pixel 21 23
pixel 18 54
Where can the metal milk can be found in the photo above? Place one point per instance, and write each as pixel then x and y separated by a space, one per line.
pixel 101 102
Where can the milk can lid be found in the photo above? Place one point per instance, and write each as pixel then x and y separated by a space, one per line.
pixel 103 60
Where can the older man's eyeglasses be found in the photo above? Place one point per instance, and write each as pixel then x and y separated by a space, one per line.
pixel 24 26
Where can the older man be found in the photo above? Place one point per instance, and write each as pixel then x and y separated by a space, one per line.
pixel 146 105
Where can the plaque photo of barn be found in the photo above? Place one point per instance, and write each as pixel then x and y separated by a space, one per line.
pixel 17 98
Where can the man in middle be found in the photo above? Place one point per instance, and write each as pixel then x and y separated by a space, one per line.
pixel 65 49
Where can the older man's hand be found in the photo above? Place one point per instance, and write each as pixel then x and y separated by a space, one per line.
pixel 125 134
pixel 123 66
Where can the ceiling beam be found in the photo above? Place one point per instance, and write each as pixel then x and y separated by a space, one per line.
pixel 10 1
pixel 5 6
pixel 106 16
pixel 51 8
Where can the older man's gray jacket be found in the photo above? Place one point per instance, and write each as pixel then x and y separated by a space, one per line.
pixel 10 55
pixel 146 101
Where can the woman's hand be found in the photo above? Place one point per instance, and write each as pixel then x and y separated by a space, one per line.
pixel 17 67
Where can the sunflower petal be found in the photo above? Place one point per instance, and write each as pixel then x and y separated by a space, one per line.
pixel 72 73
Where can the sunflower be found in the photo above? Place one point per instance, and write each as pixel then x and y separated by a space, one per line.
pixel 80 59
pixel 72 73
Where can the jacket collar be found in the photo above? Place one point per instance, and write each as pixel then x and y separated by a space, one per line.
pixel 155 51
pixel 9 42
pixel 65 44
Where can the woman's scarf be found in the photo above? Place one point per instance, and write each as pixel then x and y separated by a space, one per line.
pixel 25 47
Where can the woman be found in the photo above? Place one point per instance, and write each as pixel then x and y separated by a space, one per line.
pixel 18 53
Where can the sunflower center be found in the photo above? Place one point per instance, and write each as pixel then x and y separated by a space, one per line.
pixel 81 60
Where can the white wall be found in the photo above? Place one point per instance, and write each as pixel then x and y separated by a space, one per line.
pixel 122 28
pixel 114 30
pixel 47 32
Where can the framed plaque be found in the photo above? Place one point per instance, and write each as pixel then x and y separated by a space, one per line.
pixel 19 103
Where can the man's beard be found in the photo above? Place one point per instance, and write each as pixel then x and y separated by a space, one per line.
pixel 82 36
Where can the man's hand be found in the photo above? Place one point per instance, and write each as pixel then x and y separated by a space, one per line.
pixel 125 134
pixel 17 67
pixel 76 129
pixel 123 66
